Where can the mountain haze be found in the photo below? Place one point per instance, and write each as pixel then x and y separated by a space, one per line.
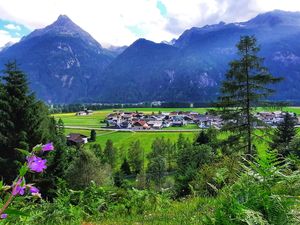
pixel 65 64
pixel 61 60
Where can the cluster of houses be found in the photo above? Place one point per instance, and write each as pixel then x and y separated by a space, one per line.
pixel 274 118
pixel 139 120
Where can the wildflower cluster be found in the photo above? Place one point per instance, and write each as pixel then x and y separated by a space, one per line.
pixel 33 164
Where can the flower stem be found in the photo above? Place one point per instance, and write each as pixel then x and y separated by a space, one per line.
pixel 9 200
pixel 6 204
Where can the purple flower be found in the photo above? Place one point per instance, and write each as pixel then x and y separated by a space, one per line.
pixel 34 190
pixel 3 216
pixel 18 189
pixel 36 164
pixel 48 147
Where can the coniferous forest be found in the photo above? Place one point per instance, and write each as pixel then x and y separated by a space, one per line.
pixel 222 176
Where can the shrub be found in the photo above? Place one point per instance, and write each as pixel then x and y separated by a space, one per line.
pixel 264 194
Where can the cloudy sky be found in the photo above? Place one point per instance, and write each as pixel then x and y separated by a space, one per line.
pixel 120 22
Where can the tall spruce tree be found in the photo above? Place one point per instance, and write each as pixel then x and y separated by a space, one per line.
pixel 125 167
pixel 23 120
pixel 60 127
pixel 284 134
pixel 246 85
pixel 93 135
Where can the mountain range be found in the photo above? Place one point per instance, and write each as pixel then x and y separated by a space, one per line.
pixel 65 64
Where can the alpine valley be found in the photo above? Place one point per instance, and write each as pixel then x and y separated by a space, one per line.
pixel 65 64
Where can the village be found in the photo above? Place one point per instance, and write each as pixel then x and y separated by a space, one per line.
pixel 120 119
pixel 139 120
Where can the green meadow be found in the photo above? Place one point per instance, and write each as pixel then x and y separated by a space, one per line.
pixel 123 139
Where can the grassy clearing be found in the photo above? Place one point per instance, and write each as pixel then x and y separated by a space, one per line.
pixel 123 139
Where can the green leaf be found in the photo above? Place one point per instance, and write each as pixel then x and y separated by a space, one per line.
pixel 23 171
pixel 24 152
pixel 23 182
pixel 1 185
pixel 37 148
pixel 15 212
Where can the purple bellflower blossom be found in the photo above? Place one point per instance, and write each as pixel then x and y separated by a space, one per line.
pixel 33 190
pixel 18 189
pixel 36 164
pixel 48 147
pixel 3 216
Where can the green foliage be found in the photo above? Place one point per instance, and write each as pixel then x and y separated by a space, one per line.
pixel 97 150
pixel 294 146
pixel 136 156
pixel 93 135
pixel 164 148
pixel 284 134
pixel 202 138
pixel 160 159
pixel 156 170
pixel 212 177
pixel 86 168
pixel 266 193
pixel 24 121
pixel 190 160
pixel 247 84
pixel 93 202
pixel 61 126
pixel 109 154
pixel 125 167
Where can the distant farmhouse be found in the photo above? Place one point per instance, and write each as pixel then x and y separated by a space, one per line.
pixel 84 113
pixel 76 139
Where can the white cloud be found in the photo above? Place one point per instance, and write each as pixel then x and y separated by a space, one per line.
pixel 108 21
pixel 6 38
pixel 12 27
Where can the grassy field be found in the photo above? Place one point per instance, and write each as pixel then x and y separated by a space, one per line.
pixel 123 139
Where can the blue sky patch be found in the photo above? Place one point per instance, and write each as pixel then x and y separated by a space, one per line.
pixel 162 8
pixel 15 30
pixel 136 30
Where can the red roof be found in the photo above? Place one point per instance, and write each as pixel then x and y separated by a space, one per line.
pixel 139 123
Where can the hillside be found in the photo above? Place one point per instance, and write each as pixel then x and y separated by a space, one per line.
pixel 67 61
